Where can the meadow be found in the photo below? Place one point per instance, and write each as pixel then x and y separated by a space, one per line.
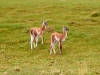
pixel 81 50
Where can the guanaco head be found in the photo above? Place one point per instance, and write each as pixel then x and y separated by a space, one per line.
pixel 44 23
pixel 65 28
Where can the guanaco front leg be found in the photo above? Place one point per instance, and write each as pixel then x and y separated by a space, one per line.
pixel 31 42
pixel 36 40
pixel 42 39
pixel 60 47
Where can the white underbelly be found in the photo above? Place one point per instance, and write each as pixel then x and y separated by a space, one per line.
pixel 37 32
pixel 57 39
pixel 63 39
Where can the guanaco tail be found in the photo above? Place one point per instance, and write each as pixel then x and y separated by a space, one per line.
pixel 37 32
pixel 58 37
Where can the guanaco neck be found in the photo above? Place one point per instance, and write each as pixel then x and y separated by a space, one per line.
pixel 64 34
pixel 43 27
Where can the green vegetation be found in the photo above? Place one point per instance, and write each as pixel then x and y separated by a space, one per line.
pixel 81 50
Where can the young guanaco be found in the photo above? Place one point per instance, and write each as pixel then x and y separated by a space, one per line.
pixel 58 37
pixel 37 32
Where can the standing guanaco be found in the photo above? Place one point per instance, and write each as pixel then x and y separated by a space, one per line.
pixel 37 32
pixel 58 37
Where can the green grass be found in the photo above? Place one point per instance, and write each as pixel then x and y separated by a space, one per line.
pixel 81 50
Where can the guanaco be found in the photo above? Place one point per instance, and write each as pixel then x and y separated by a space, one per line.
pixel 58 37
pixel 37 32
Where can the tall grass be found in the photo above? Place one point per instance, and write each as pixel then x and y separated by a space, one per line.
pixel 80 50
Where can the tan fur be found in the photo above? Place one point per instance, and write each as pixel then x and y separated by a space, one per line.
pixel 57 37
pixel 35 32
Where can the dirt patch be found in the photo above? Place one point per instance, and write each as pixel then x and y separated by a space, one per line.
pixel 22 10
pixel 10 8
pixel 4 29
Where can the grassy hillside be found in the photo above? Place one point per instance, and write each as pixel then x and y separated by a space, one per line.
pixel 81 50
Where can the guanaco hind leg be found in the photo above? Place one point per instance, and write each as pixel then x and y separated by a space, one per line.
pixel 52 47
pixel 32 41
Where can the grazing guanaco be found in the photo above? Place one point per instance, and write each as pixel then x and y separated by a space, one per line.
pixel 37 32
pixel 58 37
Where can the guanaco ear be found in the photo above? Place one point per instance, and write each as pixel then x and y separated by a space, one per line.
pixel 65 28
pixel 43 20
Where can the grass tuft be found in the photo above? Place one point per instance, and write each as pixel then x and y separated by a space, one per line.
pixel 95 14
pixel 17 69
